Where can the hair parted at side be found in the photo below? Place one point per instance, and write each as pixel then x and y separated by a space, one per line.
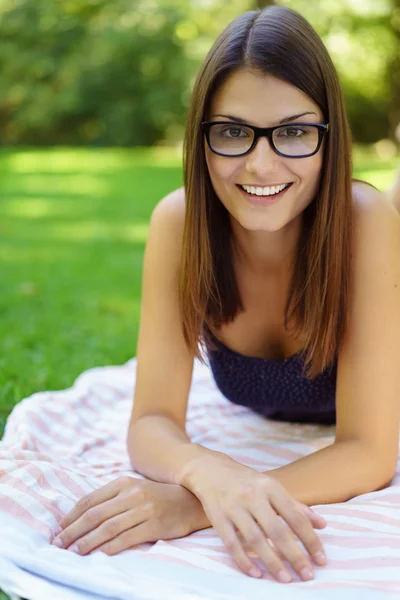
pixel 280 42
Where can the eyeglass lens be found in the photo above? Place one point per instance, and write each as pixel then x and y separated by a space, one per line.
pixel 237 139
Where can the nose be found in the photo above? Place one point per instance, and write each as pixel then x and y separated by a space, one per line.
pixel 260 159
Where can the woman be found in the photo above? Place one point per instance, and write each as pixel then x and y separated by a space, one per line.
pixel 288 271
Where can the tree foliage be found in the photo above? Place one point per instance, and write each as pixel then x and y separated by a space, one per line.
pixel 120 72
pixel 90 71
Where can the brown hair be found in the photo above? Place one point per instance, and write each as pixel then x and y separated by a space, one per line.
pixel 280 42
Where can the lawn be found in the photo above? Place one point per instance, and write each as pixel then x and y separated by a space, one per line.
pixel 73 229
pixel 73 226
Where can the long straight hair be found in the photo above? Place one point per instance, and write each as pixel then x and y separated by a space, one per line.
pixel 276 41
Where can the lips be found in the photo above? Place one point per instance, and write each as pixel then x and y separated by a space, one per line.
pixel 256 185
pixel 263 200
pixel 288 185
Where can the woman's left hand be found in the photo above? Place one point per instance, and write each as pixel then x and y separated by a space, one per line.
pixel 127 512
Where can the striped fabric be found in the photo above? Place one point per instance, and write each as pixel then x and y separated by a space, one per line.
pixel 60 446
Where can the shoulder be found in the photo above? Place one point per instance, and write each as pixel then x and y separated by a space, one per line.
pixel 172 207
pixel 377 236
pixel 364 194
pixel 167 225
pixel 373 211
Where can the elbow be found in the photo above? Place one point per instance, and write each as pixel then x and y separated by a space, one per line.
pixel 374 468
pixel 385 471
pixel 378 467
pixel 381 477
pixel 131 447
pixel 384 478
pixel 371 480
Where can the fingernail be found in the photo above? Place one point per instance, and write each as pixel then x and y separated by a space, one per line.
pixel 255 573
pixel 306 574
pixel 319 558
pixel 284 577
pixel 57 542
pixel 57 531
pixel 74 548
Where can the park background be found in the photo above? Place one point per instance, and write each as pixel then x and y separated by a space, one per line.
pixel 93 102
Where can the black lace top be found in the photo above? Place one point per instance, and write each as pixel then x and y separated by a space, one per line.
pixel 273 388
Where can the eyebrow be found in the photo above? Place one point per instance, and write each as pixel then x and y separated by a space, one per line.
pixel 285 120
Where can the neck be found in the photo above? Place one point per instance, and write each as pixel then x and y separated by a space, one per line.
pixel 266 253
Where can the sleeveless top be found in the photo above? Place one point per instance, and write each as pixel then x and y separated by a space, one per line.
pixel 275 389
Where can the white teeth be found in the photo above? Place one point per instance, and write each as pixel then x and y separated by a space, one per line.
pixel 264 191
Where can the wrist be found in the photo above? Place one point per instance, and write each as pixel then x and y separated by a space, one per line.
pixel 187 474
pixel 199 471
pixel 194 511
pixel 195 466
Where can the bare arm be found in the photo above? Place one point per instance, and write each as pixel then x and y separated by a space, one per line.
pixel 158 445
pixel 161 450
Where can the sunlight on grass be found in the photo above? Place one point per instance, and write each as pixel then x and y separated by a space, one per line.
pixel 74 184
pixel 92 230
pixel 120 306
pixel 67 160
pixel 136 232
pixel 35 208
pixel 73 223
pixel 30 255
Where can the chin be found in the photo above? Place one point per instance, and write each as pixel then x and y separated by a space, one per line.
pixel 255 223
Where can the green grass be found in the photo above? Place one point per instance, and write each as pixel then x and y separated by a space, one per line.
pixel 73 225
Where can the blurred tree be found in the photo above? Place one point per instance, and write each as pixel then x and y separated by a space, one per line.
pixel 393 74
pixel 359 37
pixel 262 3
pixel 102 72
pixel 120 72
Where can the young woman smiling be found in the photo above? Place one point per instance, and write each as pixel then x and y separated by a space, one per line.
pixel 287 271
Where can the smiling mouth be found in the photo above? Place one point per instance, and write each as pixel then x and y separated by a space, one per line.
pixel 271 195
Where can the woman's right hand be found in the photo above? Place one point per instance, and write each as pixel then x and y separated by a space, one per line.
pixel 239 500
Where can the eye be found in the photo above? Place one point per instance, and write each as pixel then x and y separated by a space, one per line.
pixel 236 132
pixel 298 130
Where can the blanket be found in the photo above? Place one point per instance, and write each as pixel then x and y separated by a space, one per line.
pixel 59 446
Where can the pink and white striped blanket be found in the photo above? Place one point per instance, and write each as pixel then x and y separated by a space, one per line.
pixel 59 446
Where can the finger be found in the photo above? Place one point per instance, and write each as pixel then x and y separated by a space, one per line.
pixel 257 539
pixel 107 531
pixel 106 492
pixel 284 505
pixel 92 519
pixel 317 521
pixel 225 529
pixel 282 537
pixel 139 534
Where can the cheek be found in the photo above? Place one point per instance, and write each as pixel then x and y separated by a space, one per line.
pixel 312 172
pixel 317 172
pixel 220 168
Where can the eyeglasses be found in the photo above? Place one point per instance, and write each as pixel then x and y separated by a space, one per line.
pixel 293 140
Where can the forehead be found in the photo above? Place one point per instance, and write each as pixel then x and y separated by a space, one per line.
pixel 260 99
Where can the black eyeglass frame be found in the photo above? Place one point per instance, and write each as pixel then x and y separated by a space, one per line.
pixel 264 132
